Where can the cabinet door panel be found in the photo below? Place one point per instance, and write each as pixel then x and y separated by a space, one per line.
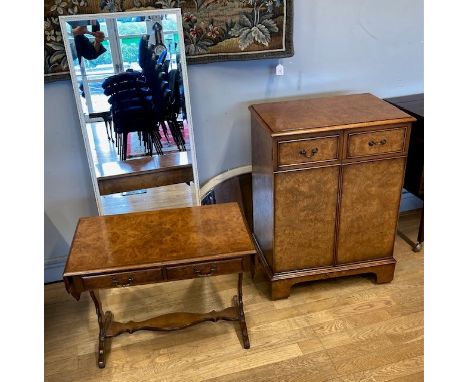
pixel 305 211
pixel 370 203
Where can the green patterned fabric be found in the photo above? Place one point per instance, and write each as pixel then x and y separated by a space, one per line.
pixel 214 30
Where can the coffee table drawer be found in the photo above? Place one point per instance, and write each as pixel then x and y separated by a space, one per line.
pixel 124 279
pixel 212 268
pixel 384 141
pixel 308 150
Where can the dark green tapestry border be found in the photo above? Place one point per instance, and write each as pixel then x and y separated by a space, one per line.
pixel 55 53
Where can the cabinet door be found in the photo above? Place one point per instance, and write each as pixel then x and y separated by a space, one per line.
pixel 305 211
pixel 369 210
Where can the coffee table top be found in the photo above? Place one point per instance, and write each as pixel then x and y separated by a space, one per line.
pixel 145 239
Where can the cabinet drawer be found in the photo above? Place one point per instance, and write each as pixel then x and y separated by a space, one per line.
pixel 212 268
pixel 308 150
pixel 124 279
pixel 385 141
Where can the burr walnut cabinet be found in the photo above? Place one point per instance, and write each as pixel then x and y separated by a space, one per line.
pixel 326 181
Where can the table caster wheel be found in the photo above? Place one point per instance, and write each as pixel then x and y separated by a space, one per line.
pixel 417 247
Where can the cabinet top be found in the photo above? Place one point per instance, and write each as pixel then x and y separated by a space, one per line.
pixel 327 113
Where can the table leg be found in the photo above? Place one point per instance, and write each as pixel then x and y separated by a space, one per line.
pixel 253 266
pixel 418 246
pixel 107 130
pixel 167 322
pixel 110 129
pixel 104 321
pixel 240 307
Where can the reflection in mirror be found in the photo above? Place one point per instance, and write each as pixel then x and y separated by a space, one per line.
pixel 130 82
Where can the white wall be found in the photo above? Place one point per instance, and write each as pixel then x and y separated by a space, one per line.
pixel 341 46
pixel 68 191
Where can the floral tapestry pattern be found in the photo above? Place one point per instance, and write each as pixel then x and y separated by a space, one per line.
pixel 214 30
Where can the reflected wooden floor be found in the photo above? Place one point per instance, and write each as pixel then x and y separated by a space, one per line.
pixel 173 196
pixel 104 154
pixel 347 329
pixel 103 150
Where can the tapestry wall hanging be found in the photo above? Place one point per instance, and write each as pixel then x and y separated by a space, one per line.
pixel 214 30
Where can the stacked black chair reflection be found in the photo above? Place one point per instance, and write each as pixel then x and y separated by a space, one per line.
pixel 165 86
pixel 132 111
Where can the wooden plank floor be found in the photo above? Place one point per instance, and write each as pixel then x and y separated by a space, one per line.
pixel 157 198
pixel 104 154
pixel 103 150
pixel 347 329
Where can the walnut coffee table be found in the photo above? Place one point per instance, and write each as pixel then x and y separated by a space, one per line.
pixel 120 251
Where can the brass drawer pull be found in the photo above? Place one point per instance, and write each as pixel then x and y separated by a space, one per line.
pixel 374 143
pixel 117 283
pixel 312 152
pixel 199 273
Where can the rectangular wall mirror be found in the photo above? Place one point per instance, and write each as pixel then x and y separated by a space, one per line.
pixel 129 77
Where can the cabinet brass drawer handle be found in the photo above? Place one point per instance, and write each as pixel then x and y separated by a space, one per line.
pixel 374 143
pixel 117 283
pixel 312 152
pixel 199 273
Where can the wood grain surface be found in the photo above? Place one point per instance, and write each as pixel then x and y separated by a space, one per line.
pixel 137 174
pixel 135 167
pixel 144 239
pixel 369 210
pixel 382 141
pixel 336 330
pixel 305 240
pixel 328 113
pixel 311 150
pixel 165 197
pixel 263 184
pixel 305 211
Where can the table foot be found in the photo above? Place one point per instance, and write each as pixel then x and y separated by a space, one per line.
pixel 242 323
pixel 417 247
pixel 102 352
pixel 104 321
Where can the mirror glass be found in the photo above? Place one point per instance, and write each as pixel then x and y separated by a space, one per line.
pixel 129 77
